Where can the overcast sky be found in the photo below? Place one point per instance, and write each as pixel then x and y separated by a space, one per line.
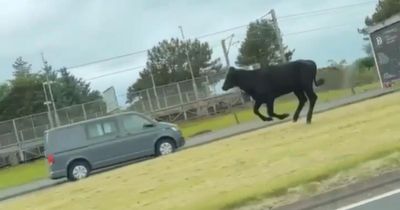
pixel 73 32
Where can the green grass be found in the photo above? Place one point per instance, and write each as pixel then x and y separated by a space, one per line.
pixel 22 174
pixel 219 122
pixel 26 173
pixel 238 170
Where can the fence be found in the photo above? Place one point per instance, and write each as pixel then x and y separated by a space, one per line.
pixel 21 139
pixel 175 94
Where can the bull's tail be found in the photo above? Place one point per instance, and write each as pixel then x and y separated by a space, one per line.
pixel 319 82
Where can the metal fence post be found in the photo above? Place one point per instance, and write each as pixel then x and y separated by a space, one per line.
pixel 179 93
pixel 20 152
pixel 33 127
pixel 149 100
pixel 143 107
pixel 157 99
pixel 84 112
pixel 165 98
pixel 207 87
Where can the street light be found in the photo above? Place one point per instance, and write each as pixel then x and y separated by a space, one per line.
pixel 190 65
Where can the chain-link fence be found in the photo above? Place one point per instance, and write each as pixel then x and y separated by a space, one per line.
pixel 21 139
pixel 175 94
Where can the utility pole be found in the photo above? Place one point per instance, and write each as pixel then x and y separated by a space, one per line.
pixel 278 35
pixel 190 66
pixel 226 49
pixel 154 90
pixel 52 102
pixel 47 102
pixel 225 53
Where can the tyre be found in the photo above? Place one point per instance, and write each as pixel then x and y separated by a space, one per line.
pixel 78 170
pixel 165 147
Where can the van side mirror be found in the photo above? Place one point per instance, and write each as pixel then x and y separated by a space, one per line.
pixel 150 125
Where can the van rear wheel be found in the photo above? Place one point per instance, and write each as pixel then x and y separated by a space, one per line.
pixel 165 147
pixel 78 170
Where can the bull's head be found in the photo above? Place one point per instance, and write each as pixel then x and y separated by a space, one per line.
pixel 230 80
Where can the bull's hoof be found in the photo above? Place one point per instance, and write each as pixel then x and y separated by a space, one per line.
pixel 268 119
pixel 283 116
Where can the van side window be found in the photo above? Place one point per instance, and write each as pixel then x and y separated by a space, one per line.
pixel 134 123
pixel 101 129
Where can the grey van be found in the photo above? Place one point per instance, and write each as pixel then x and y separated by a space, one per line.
pixel 73 151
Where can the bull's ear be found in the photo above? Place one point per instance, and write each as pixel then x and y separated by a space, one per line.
pixel 231 68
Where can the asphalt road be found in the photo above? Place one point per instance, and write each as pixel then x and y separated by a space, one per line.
pixel 386 201
pixel 210 137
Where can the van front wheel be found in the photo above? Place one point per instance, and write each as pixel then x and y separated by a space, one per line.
pixel 78 170
pixel 165 147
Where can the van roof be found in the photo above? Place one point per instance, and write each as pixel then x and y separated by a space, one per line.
pixel 93 120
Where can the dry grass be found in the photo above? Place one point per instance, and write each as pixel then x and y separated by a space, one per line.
pixel 237 170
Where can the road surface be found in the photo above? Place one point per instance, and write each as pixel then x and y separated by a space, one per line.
pixel 386 201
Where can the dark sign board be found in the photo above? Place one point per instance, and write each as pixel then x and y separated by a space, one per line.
pixel 386 46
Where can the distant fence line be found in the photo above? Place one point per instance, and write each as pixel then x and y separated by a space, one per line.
pixel 183 92
pixel 21 138
pixel 24 135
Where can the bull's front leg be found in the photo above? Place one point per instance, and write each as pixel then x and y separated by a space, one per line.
pixel 256 111
pixel 271 113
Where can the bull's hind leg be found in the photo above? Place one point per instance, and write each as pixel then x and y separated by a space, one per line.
pixel 256 111
pixel 312 97
pixel 302 100
pixel 271 113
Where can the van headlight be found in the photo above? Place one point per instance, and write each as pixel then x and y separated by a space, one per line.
pixel 174 128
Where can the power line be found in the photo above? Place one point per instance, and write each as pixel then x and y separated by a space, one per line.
pixel 326 10
pixel 107 59
pixel 222 31
pixel 309 30
pixel 316 29
pixel 288 34
pixel 115 72
pixel 309 13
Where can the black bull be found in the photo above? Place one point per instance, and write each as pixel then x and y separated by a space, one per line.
pixel 265 85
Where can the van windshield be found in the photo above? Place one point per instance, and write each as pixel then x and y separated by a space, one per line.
pixel 134 123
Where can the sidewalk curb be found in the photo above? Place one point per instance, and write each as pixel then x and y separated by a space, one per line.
pixel 30 190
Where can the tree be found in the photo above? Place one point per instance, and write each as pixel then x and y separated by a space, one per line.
pixel 167 62
pixel 25 97
pixel 70 90
pixel 4 90
pixel 25 92
pixel 365 63
pixel 21 68
pixel 261 46
pixel 337 65
pixel 384 10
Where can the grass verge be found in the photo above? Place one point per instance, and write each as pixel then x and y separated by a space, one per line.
pixel 22 174
pixel 238 170
pixel 35 171
pixel 283 105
